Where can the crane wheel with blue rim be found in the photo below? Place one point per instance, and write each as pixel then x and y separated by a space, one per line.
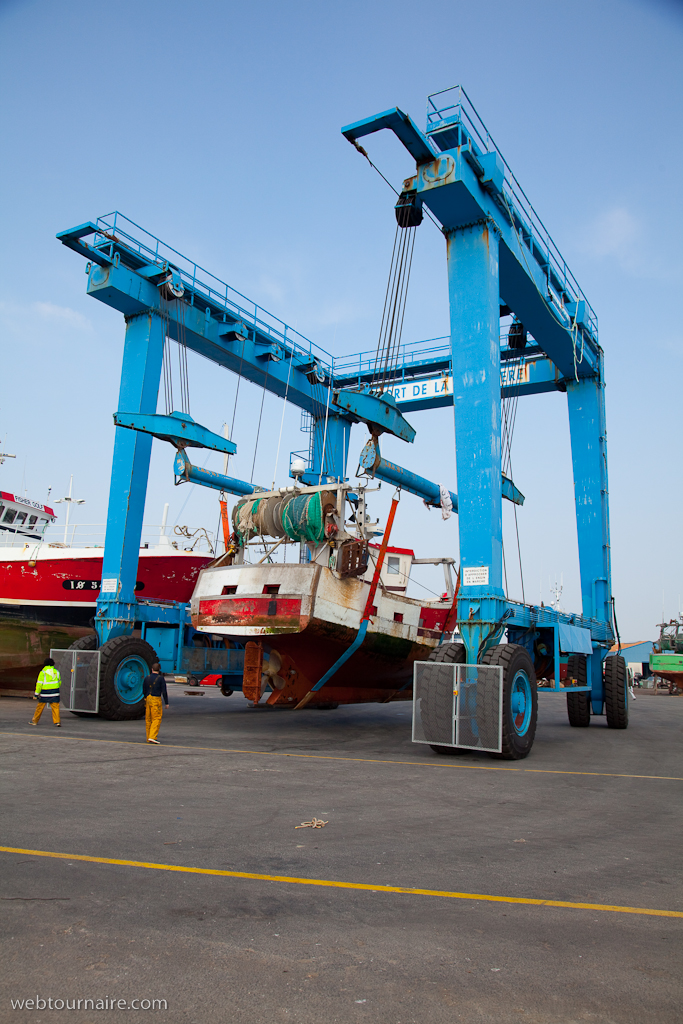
pixel 520 699
pixel 124 663
pixel 578 704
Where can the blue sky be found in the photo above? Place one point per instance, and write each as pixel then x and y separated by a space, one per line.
pixel 216 127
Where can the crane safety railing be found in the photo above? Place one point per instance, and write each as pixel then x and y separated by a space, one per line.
pixel 205 289
pixel 416 359
pixel 453 107
pixel 91 535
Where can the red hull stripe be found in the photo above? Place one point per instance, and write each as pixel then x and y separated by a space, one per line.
pixel 76 580
pixel 251 611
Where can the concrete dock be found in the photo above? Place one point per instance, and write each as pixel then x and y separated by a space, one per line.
pixel 592 820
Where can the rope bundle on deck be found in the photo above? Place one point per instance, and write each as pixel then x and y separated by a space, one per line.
pixel 299 517
pixel 302 519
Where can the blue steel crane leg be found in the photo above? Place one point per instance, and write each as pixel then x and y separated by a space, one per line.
pixel 473 289
pixel 336 447
pixel 140 375
pixel 586 404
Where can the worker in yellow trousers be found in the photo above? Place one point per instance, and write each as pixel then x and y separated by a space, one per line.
pixel 154 688
pixel 47 692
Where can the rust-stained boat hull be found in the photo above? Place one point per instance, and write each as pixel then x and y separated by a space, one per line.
pixel 309 618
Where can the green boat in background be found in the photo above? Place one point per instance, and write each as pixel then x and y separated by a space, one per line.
pixel 666 659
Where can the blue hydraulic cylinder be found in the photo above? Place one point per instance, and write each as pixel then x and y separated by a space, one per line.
pixel 377 467
pixel 140 375
pixel 380 468
pixel 184 469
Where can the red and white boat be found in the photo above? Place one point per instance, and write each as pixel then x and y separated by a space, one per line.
pixel 299 619
pixel 48 590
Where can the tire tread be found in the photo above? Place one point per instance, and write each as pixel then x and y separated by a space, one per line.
pixel 578 704
pixel 110 706
pixel 616 702
pixel 502 655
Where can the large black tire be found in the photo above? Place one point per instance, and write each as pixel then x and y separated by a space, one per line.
pixel 437 712
pixel 122 664
pixel 85 643
pixel 520 699
pixel 616 692
pixel 578 704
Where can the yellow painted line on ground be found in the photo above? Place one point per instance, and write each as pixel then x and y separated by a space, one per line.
pixel 329 884
pixel 361 760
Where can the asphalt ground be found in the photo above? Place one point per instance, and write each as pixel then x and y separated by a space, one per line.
pixel 592 816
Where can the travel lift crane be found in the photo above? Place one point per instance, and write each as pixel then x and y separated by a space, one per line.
pixel 501 259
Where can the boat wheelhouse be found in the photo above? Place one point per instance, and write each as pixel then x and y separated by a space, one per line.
pixel 21 517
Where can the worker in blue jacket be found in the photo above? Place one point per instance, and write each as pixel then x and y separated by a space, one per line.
pixel 153 689
pixel 47 692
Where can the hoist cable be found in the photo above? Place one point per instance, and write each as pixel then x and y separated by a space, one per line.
pixel 394 358
pixel 234 408
pixel 426 209
pixel 391 327
pixel 397 271
pixel 405 270
pixel 282 421
pixel 386 302
pixel 322 457
pixel 183 373
pixel 258 430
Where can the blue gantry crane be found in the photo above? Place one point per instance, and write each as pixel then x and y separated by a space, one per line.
pixel 501 260
pixel 502 263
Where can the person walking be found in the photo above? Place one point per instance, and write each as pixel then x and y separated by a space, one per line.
pixel 47 692
pixel 154 688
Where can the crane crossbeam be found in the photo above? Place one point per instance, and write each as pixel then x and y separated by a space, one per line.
pixel 128 265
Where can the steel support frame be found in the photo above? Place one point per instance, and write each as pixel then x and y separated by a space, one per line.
pixel 488 263
pixel 473 290
pixel 117 608
pixel 245 352
pixel 586 407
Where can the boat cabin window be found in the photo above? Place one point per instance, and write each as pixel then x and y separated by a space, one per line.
pixel 10 515
pixel 393 564
pixel 226 591
pixel 2 509
pixel 32 520
pixel 21 518
pixel 271 588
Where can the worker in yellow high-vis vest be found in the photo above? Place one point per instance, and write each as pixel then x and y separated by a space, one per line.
pixel 47 692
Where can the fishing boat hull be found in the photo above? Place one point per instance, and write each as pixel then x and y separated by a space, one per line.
pixel 304 617
pixel 669 667
pixel 48 599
